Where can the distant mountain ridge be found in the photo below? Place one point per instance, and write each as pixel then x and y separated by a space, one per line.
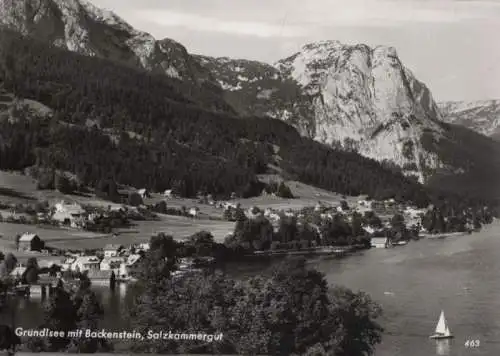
pixel 482 116
pixel 351 96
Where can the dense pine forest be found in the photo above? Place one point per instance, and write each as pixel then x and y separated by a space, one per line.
pixel 111 122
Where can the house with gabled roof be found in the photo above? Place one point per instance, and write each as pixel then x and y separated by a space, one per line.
pixel 112 250
pixel 30 242
pixel 86 263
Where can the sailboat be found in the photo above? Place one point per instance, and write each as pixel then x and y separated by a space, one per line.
pixel 442 330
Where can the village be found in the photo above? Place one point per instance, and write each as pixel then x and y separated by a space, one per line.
pixel 108 241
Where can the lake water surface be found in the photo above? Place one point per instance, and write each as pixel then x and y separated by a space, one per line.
pixel 460 275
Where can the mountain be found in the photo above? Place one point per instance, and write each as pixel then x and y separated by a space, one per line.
pixel 81 27
pixel 357 97
pixel 353 98
pixel 257 88
pixel 482 116
pixel 106 122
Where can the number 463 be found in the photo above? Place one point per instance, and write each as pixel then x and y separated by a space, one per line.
pixel 472 343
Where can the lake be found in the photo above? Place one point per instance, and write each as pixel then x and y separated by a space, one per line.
pixel 460 275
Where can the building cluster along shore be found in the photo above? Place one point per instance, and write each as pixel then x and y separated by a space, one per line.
pixel 325 228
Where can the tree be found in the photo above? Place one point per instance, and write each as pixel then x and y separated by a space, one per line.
pixel 289 313
pixel 135 199
pixel 32 262
pixel 203 242
pixel 63 184
pixel 355 315
pixel 252 234
pixel 159 262
pixel 112 282
pixel 371 219
pixel 3 270
pixel 292 310
pixel 357 225
pixel 190 303
pixel 161 207
pixel 89 313
pixel 398 226
pixel 106 188
pixel 45 179
pixel 8 338
pixel 10 262
pixel 284 191
pixel 30 276
pixel 17 239
pixel 239 214
pixel 288 229
pixel 60 314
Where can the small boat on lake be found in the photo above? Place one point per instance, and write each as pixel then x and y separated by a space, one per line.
pixel 442 330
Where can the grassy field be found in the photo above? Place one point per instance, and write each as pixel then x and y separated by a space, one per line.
pixel 305 196
pixel 17 188
pixel 179 227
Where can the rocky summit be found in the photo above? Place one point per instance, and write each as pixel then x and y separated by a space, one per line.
pixel 361 98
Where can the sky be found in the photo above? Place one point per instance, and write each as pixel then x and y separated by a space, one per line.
pixel 450 45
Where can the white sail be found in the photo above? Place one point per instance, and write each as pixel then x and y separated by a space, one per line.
pixel 441 327
pixel 447 331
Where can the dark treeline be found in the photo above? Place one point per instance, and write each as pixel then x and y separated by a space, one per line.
pixel 115 123
pixel 478 155
pixel 293 312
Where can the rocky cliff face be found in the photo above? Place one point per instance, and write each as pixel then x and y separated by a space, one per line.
pixel 480 116
pixel 359 97
pixel 79 26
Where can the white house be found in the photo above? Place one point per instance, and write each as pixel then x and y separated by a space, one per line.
pixel 112 264
pixel 18 272
pixel 68 263
pixel 69 214
pixel 226 205
pixel 252 213
pixel 369 229
pixel 144 193
pixel 47 263
pixel 326 216
pixel 381 242
pixel 168 193
pixel 131 266
pixel 86 263
pixel 194 212
pixel 144 246
pixel 365 203
pixel 112 250
pixel 389 202
pixel 273 217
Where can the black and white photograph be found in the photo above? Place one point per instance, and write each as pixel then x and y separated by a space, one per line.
pixel 250 177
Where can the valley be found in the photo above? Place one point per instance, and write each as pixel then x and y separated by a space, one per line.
pixel 131 162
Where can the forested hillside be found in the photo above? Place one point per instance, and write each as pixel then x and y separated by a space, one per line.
pixel 115 122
